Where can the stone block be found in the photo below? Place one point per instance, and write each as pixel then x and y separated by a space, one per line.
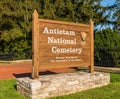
pixel 60 84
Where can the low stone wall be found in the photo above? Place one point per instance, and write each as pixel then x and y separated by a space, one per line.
pixel 17 61
pixel 102 69
pixel 60 84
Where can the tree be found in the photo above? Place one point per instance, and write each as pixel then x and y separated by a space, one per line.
pixel 16 17
pixel 107 44
pixel 114 19
pixel 74 10
pixel 15 25
pixel 116 15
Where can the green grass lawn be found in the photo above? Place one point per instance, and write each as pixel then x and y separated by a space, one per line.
pixel 8 90
pixel 111 91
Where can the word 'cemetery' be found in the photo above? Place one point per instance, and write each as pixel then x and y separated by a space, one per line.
pixel 58 44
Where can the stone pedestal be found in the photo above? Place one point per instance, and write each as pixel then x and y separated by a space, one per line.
pixel 60 84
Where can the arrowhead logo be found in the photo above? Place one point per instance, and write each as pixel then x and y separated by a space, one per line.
pixel 83 36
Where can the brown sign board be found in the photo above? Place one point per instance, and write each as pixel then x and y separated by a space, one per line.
pixel 57 44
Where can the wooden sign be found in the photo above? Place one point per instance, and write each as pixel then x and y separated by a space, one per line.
pixel 57 44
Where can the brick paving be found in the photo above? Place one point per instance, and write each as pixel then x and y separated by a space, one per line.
pixel 23 69
pixel 15 70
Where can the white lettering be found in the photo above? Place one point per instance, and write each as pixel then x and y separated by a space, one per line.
pixel 58 31
pixel 50 39
pixel 61 40
pixel 66 50
pixel 45 30
pixel 54 49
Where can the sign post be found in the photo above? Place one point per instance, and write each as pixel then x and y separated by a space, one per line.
pixel 35 45
pixel 57 44
pixel 92 45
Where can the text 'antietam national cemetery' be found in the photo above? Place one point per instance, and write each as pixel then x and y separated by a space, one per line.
pixel 57 44
pixel 62 41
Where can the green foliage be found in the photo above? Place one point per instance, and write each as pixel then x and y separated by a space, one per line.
pixel 107 38
pixel 16 18
pixel 12 34
pixel 109 42
pixel 115 10
pixel 15 25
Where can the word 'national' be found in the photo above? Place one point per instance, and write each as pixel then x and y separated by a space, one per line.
pixel 61 40
pixel 58 31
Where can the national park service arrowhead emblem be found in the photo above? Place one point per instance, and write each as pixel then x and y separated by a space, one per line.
pixel 83 36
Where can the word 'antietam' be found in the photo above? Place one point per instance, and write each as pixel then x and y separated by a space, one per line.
pixel 58 31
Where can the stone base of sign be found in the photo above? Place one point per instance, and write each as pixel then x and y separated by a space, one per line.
pixel 60 84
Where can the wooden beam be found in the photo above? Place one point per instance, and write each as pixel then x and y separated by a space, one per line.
pixel 35 44
pixel 91 68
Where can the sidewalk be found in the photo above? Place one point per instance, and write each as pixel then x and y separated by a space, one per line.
pixel 8 71
pixel 16 70
pixel 24 69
